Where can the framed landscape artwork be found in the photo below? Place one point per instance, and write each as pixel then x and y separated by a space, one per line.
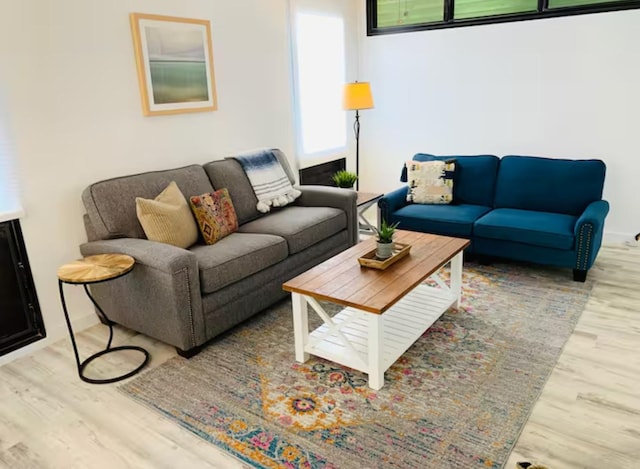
pixel 175 64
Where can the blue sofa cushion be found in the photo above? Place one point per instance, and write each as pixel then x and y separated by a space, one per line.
pixel 548 184
pixel 449 220
pixel 475 177
pixel 553 230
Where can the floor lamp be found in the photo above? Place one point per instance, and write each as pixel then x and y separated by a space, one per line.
pixel 357 96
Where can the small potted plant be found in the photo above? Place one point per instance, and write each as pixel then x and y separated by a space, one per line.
pixel 344 179
pixel 386 246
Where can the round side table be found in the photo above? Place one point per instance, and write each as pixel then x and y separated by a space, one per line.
pixel 87 271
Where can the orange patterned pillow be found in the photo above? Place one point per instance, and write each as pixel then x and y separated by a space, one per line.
pixel 215 215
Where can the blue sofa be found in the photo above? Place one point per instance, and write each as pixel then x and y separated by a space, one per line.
pixel 542 210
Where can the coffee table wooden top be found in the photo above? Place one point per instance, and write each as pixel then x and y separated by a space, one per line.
pixel 96 268
pixel 342 280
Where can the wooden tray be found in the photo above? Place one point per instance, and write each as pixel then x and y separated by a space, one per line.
pixel 370 259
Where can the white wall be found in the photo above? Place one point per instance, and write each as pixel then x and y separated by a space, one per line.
pixel 566 87
pixel 68 72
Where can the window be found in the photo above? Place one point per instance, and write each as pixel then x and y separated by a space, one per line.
pixel 393 16
pixel 9 203
pixel 319 70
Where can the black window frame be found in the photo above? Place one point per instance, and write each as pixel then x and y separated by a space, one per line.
pixel 28 298
pixel 449 22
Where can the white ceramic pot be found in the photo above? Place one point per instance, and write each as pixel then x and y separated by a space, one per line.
pixel 385 250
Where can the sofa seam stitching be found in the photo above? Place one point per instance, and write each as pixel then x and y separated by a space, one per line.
pixel 193 332
pixel 579 256
pixel 582 259
pixel 588 245
pixel 93 199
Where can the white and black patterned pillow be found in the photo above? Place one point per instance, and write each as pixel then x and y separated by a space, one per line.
pixel 430 182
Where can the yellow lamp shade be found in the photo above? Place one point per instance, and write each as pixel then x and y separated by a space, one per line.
pixel 357 96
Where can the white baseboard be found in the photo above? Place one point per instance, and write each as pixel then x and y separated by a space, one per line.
pixel 613 237
pixel 54 334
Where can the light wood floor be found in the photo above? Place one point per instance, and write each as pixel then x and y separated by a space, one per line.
pixel 588 415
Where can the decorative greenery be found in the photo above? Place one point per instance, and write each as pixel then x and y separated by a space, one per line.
pixel 345 179
pixel 385 232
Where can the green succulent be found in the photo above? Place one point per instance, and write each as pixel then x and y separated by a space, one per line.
pixel 345 179
pixel 385 232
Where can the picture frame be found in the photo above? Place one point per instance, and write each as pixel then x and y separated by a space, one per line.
pixel 174 61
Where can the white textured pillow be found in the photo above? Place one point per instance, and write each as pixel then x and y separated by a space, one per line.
pixel 168 218
pixel 430 182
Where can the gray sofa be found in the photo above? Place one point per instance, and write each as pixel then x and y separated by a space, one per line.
pixel 185 297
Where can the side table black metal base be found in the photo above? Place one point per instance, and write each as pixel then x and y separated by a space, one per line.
pixel 82 365
pixel 117 378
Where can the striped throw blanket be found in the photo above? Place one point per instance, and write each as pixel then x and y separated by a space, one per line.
pixel 268 179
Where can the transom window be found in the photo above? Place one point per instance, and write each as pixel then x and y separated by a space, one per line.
pixel 394 16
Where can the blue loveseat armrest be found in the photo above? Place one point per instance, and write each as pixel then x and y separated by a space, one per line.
pixel 391 202
pixel 588 232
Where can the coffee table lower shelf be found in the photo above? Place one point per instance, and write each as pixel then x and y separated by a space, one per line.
pixel 368 342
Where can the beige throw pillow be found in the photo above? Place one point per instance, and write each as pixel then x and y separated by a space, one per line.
pixel 167 218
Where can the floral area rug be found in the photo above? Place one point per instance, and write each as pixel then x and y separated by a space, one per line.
pixel 458 398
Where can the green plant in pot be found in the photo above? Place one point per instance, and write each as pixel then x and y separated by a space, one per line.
pixel 386 246
pixel 344 179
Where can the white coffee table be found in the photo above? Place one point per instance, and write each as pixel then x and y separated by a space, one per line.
pixel 385 312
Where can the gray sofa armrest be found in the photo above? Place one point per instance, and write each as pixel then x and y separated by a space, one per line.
pixel 161 256
pixel 326 196
pixel 160 297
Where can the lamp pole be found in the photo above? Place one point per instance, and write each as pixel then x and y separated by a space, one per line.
pixel 356 131
pixel 357 96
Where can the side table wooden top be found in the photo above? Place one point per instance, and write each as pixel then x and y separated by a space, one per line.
pixel 96 268
pixel 366 197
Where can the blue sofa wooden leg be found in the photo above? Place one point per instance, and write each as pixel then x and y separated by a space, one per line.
pixel 484 260
pixel 579 275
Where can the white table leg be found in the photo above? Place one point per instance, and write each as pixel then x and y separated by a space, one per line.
pixel 300 326
pixel 376 372
pixel 456 278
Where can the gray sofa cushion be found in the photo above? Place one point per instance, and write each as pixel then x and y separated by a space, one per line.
pixel 228 173
pixel 282 158
pixel 300 226
pixel 235 257
pixel 111 204
pixel 228 306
